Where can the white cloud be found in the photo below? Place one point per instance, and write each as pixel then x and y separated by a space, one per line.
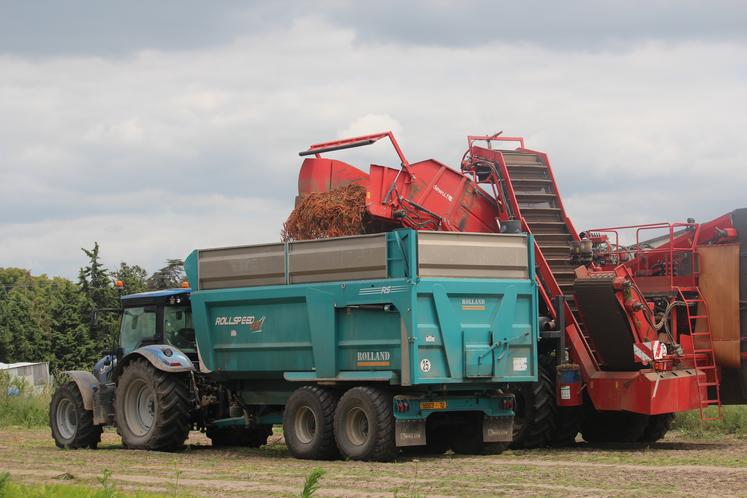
pixel 159 152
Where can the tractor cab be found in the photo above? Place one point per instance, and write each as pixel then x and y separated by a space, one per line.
pixel 158 317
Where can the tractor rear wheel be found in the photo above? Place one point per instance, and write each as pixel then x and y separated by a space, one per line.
pixel 253 437
pixel 72 425
pixel 308 423
pixel 364 425
pixel 153 408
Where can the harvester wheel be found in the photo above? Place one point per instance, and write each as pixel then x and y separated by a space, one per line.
pixel 308 423
pixel 364 425
pixel 536 411
pixel 612 426
pixel 72 425
pixel 658 426
pixel 253 437
pixel 152 408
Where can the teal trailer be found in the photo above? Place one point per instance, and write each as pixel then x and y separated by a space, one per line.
pixel 368 343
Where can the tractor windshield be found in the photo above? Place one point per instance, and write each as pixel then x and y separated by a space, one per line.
pixel 138 327
pixel 177 328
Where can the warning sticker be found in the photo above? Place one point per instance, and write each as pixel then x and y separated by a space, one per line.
pixel 520 364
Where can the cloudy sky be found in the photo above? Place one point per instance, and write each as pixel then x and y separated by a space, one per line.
pixel 158 127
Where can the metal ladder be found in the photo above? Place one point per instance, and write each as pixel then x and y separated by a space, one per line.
pixel 704 357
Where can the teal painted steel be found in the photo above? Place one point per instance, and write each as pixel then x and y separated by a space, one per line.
pixel 404 330
pixel 408 408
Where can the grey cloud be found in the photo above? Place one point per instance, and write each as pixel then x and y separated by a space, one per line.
pixel 48 27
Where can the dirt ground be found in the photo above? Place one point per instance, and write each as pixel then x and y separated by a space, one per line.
pixel 673 467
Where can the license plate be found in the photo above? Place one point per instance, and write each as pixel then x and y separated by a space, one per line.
pixel 433 405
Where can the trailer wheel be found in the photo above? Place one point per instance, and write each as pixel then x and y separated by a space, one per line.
pixel 567 418
pixel 226 437
pixel 364 425
pixel 72 425
pixel 152 408
pixel 536 412
pixel 308 423
pixel 466 438
pixel 438 441
pixel 658 426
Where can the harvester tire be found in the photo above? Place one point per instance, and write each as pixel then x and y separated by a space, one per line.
pixel 152 408
pixel 536 412
pixel 612 426
pixel 658 426
pixel 308 423
pixel 364 425
pixel 226 437
pixel 72 425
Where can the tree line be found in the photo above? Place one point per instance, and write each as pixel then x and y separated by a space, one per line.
pixel 50 319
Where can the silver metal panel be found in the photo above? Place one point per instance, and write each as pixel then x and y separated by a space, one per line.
pixel 242 266
pixel 472 255
pixel 344 258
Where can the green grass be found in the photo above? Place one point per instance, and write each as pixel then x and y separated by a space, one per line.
pixel 27 409
pixel 10 489
pixel 733 423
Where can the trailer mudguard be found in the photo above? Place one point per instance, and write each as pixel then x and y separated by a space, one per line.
pixel 86 383
pixel 164 357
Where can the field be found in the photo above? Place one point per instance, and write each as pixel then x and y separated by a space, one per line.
pixel 677 466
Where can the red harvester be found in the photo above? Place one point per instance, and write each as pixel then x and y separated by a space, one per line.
pixel 634 330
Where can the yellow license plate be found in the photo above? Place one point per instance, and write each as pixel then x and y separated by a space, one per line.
pixel 433 405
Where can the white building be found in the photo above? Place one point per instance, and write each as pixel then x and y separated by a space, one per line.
pixel 35 374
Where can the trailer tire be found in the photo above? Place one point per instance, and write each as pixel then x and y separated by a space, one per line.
pixel 657 428
pixel 438 442
pixel 308 423
pixel 536 412
pixel 226 437
pixel 364 425
pixel 567 418
pixel 71 424
pixel 467 438
pixel 152 408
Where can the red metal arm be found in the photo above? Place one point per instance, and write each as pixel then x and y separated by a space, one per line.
pixel 346 143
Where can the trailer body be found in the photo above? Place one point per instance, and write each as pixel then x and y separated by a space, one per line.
pixel 443 319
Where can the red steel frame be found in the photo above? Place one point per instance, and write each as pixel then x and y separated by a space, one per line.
pixel 644 391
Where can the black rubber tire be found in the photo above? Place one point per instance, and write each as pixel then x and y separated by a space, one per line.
pixel 466 438
pixel 567 418
pixel 371 407
pixel 536 412
pixel 437 443
pixel 171 408
pixel 319 403
pixel 84 434
pixel 247 437
pixel 612 426
pixel 657 428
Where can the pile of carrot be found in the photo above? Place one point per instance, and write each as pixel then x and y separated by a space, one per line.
pixel 320 215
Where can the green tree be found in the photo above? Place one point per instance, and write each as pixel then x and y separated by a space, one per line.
pixel 133 277
pixel 97 288
pixel 169 276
